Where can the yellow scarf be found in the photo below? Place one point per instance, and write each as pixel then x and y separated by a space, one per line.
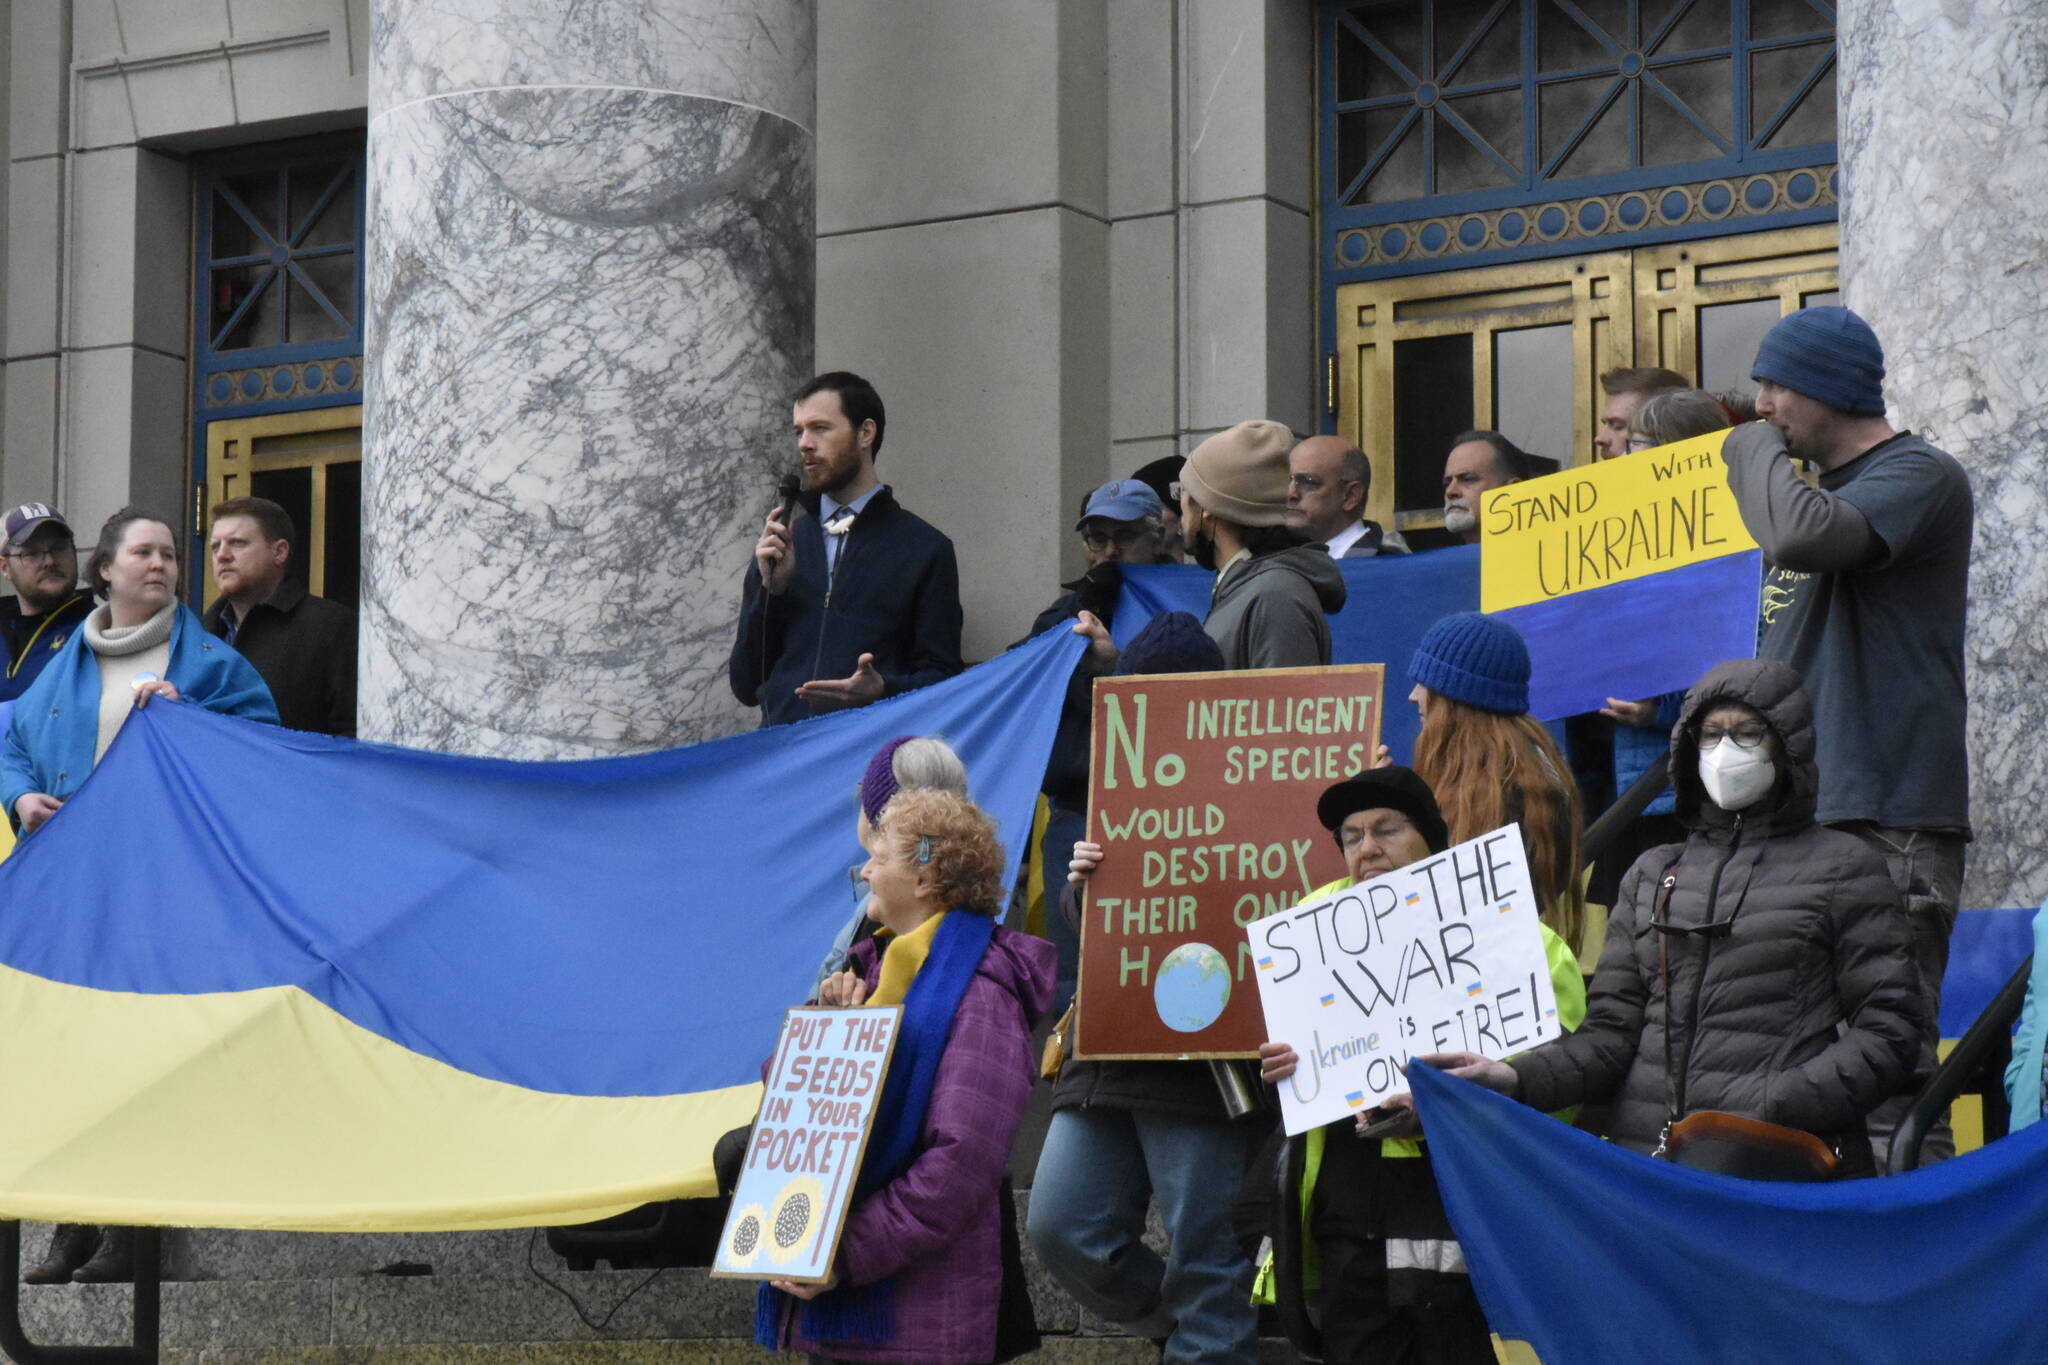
pixel 899 965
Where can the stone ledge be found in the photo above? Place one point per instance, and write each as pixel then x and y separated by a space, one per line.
pixel 419 1311
pixel 1057 1351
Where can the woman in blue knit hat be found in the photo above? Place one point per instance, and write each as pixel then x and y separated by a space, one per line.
pixel 1490 762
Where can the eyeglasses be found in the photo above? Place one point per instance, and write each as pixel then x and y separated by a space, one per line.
pixel 48 556
pixel 1124 536
pixel 1746 734
pixel 1382 831
pixel 1309 483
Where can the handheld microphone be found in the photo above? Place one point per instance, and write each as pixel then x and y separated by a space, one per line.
pixel 792 484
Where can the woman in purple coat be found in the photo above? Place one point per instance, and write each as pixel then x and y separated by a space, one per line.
pixel 919 1273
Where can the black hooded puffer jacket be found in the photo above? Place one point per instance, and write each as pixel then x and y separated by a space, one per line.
pixel 1815 937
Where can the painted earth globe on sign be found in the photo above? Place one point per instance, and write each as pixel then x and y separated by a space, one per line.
pixel 1192 987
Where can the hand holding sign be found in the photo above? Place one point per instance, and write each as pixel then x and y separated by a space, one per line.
pixel 817 1110
pixel 1446 952
pixel 1628 578
pixel 1202 819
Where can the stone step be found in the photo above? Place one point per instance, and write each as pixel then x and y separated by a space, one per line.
pixel 452 1319
pixel 224 1254
pixel 1069 1351
pixel 261 1297
pixel 376 1313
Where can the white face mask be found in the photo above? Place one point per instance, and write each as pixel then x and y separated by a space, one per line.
pixel 1737 778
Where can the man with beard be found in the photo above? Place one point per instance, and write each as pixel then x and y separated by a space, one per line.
pixel 41 561
pixel 1479 462
pixel 1119 525
pixel 1864 593
pixel 859 599
pixel 1274 588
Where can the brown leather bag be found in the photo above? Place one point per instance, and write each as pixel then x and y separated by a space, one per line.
pixel 1054 1056
pixel 1729 1144
pixel 1712 1139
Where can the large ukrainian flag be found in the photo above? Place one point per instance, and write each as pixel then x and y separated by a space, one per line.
pixel 1583 1253
pixel 254 978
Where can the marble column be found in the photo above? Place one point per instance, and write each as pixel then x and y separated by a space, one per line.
pixel 590 292
pixel 1944 136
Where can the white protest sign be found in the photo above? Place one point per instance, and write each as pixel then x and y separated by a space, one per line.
pixel 816 1113
pixel 1444 955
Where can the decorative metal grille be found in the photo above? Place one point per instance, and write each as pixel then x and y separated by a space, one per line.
pixel 1441 109
pixel 279 270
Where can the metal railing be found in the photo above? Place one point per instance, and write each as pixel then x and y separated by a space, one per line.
pixel 1976 1065
pixel 144 1338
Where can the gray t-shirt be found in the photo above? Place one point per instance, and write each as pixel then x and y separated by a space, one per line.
pixel 1881 644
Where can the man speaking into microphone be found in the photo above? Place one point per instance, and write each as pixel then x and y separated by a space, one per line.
pixel 850 598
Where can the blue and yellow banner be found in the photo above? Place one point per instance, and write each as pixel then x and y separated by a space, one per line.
pixel 1616 521
pixel 1635 637
pixel 1390 603
pixel 1629 578
pixel 1583 1253
pixel 257 978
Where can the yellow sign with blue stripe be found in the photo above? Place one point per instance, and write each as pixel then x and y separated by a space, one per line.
pixel 1608 523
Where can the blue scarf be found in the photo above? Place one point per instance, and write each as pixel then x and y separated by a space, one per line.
pixel 866 1313
pixel 55 725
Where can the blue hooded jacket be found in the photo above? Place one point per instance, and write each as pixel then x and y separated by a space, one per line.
pixel 56 723
pixel 2026 1077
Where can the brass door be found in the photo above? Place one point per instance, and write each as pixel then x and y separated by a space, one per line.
pixel 1702 307
pixel 310 463
pixel 1520 348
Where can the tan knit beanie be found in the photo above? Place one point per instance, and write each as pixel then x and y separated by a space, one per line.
pixel 1241 474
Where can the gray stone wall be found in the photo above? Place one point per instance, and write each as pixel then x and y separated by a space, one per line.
pixel 1077 241
pixel 98 266
pixel 1944 134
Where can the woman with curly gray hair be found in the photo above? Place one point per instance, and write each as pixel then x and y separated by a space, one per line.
pixel 919 1273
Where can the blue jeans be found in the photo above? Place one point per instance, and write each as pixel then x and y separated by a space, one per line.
pixel 1097 1171
pixel 1063 829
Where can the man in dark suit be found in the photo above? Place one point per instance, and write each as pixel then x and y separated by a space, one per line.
pixel 1328 482
pixel 859 599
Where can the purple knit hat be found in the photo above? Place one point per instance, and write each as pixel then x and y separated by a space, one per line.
pixel 878 783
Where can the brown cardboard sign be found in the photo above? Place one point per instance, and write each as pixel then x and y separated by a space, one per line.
pixel 1202 792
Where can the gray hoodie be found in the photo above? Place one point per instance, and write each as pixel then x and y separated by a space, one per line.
pixel 1272 611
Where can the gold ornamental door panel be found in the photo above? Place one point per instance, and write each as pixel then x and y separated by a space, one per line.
pixel 1514 348
pixel 1520 349
pixel 310 463
pixel 1702 307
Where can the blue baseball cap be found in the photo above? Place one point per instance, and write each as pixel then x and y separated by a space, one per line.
pixel 1121 500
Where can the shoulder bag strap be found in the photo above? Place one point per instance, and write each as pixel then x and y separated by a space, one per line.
pixel 1674 1104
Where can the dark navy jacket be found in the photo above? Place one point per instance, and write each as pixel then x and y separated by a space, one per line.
pixel 33 641
pixel 896 596
pixel 1066 770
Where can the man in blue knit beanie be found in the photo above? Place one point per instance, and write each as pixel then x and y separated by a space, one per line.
pixel 1864 595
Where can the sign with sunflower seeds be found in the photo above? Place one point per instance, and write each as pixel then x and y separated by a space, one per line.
pixel 817 1110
